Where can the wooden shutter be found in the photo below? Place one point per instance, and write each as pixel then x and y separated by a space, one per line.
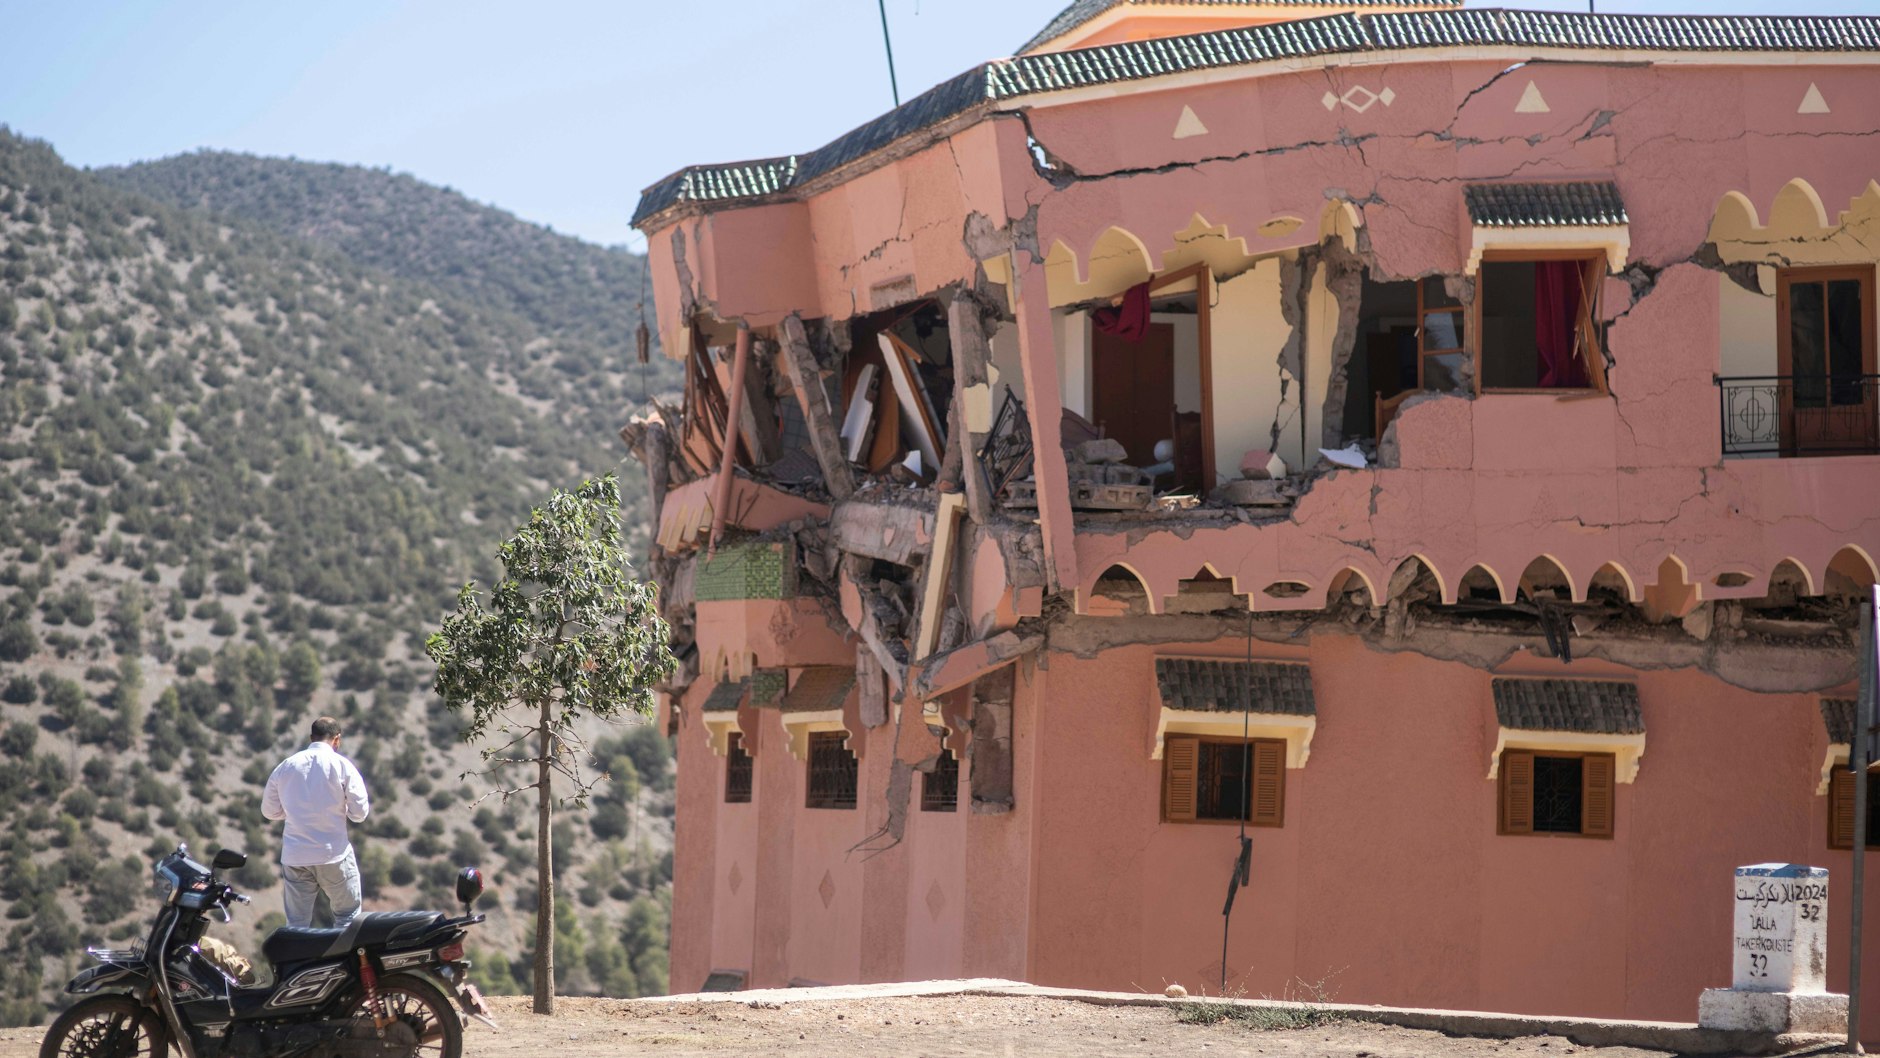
pixel 1178 778
pixel 1841 809
pixel 1596 795
pixel 1592 289
pixel 1269 783
pixel 1517 792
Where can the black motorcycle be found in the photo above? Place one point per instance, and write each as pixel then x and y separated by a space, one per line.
pixel 374 989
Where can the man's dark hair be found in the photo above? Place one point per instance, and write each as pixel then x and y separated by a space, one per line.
pixel 326 729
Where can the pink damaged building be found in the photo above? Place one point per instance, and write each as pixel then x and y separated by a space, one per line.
pixel 1440 442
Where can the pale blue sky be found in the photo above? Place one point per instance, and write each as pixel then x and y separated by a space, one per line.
pixel 558 110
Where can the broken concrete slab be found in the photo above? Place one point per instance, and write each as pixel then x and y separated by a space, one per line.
pixel 1101 450
pixel 1247 492
pixel 889 532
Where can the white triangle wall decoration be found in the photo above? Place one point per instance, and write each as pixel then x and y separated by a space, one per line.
pixel 1531 101
pixel 1813 103
pixel 1189 125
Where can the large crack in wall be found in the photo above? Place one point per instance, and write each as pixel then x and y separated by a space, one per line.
pixel 1821 664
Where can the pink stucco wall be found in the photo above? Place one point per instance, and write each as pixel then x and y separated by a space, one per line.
pixel 1387 881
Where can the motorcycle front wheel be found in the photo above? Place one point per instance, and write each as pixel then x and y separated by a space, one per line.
pixel 109 1026
pixel 418 1004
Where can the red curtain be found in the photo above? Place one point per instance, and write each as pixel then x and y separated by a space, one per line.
pixel 1556 316
pixel 1128 321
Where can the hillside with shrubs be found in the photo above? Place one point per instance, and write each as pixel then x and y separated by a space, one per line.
pixel 245 463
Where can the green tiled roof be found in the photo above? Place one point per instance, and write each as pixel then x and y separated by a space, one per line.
pixel 1235 686
pixel 819 688
pixel 1837 715
pixel 1545 205
pixel 1084 10
pixel 767 687
pixel 1010 79
pixel 756 570
pixel 1587 707
pixel 726 697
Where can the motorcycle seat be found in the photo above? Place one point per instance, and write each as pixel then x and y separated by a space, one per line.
pixel 373 929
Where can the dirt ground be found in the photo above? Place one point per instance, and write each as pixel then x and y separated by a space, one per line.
pixel 931 1027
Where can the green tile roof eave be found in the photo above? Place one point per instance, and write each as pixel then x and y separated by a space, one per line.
pixel 1005 80
pixel 1568 203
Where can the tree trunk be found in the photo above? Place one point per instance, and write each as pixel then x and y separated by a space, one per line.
pixel 545 874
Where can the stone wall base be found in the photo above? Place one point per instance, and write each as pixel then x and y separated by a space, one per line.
pixel 1772 1012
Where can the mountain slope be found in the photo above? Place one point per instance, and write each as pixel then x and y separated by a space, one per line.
pixel 582 301
pixel 241 475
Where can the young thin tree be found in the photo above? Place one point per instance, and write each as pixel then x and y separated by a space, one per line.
pixel 568 633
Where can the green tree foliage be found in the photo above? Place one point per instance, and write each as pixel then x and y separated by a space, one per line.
pixel 581 298
pixel 568 634
pixel 300 673
pixel 17 640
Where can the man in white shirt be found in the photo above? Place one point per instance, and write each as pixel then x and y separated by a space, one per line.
pixel 316 791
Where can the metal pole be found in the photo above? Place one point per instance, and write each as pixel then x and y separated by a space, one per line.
pixel 888 43
pixel 1857 761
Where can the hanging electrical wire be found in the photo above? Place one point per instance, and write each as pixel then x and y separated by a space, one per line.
pixel 1243 861
pixel 888 43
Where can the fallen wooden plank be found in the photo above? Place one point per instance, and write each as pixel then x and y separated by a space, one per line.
pixel 806 377
pixel 913 398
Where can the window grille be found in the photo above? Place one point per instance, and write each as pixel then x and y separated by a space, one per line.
pixel 737 770
pixel 940 788
pixel 832 771
pixel 1557 794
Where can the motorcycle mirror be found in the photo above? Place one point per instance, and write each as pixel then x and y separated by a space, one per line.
pixel 228 860
pixel 469 887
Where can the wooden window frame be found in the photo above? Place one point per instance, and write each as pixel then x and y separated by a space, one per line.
pixel 1508 820
pixel 1464 323
pixel 1275 748
pixel 1787 278
pixel 739 793
pixel 1590 332
pixel 829 801
pixel 1841 815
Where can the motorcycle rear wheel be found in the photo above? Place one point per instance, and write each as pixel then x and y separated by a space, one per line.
pixel 108 1026
pixel 418 1003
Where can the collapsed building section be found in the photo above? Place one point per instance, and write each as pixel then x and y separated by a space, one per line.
pixel 1370 428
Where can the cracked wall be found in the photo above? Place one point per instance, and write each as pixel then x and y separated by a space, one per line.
pixel 1631 489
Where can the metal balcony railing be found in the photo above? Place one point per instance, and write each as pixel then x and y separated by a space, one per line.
pixel 1800 415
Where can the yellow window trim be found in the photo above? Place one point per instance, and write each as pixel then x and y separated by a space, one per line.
pixel 1295 731
pixel 1627 750
pixel 1614 240
pixel 1837 756
pixel 718 729
pixel 799 726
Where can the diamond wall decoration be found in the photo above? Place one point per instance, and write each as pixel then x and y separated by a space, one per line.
pixel 827 890
pixel 1359 98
